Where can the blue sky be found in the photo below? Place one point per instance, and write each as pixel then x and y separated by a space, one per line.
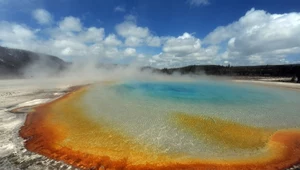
pixel 159 33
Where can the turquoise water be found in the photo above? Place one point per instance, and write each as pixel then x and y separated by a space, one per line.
pixel 203 92
pixel 142 110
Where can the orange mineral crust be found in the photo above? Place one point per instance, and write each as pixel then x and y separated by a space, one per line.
pixel 61 130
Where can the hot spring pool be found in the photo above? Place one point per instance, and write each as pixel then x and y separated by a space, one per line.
pixel 253 105
pixel 171 124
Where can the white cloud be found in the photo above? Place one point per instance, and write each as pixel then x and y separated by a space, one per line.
pixel 256 38
pixel 15 35
pixel 92 34
pixel 42 16
pixel 135 35
pixel 183 50
pixel 130 29
pixel 119 9
pixel 259 37
pixel 86 36
pixel 153 41
pixel 133 41
pixel 88 43
pixel 112 40
pixel 129 52
pixel 198 2
pixel 182 45
pixel 70 24
pixel 69 44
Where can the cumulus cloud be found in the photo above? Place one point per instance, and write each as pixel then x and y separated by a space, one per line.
pixel 133 41
pixel 153 41
pixel 112 40
pixel 84 46
pixel 130 29
pixel 42 16
pixel 135 35
pixel 183 50
pixel 16 35
pixel 92 35
pixel 15 32
pixel 71 41
pixel 70 24
pixel 182 45
pixel 19 36
pixel 259 37
pixel 198 2
pixel 129 52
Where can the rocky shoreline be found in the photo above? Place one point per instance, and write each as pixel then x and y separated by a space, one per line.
pixel 16 94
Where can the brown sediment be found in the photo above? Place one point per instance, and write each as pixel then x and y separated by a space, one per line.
pixel 223 132
pixel 61 131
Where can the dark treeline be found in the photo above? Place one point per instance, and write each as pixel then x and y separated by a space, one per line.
pixel 291 70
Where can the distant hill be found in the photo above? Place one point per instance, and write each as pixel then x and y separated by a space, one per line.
pixel 20 63
pixel 291 70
